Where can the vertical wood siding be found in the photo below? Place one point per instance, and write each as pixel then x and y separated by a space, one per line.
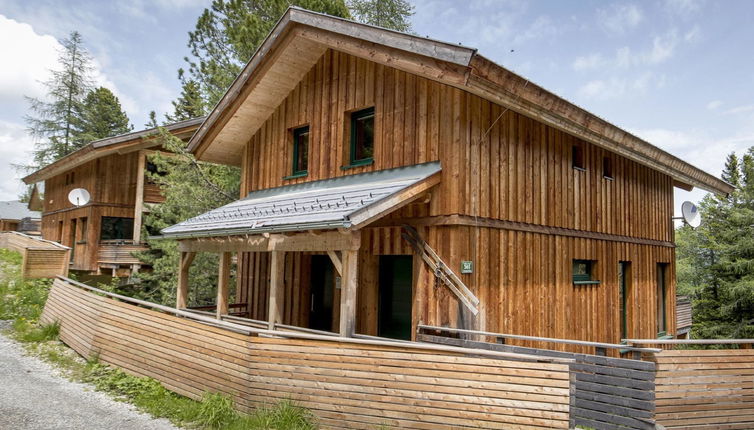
pixel 497 165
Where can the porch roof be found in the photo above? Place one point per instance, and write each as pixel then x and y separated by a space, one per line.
pixel 342 202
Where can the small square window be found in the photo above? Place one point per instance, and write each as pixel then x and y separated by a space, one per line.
pixel 578 157
pixel 362 137
pixel 607 168
pixel 300 151
pixel 583 272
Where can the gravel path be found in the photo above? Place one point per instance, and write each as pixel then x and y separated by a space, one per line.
pixel 34 396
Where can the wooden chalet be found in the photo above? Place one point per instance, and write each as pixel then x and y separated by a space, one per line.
pixel 390 180
pixel 103 233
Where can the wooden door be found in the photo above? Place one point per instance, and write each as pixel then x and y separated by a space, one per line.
pixel 395 296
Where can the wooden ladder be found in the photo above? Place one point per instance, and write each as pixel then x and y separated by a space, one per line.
pixel 442 272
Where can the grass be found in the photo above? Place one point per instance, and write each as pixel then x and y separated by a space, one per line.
pixel 22 302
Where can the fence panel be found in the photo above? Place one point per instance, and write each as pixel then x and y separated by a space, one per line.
pixel 606 393
pixel 345 384
pixel 41 258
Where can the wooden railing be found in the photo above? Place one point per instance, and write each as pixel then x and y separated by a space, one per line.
pixel 345 382
pixel 606 393
pixel 41 258
pixel 119 252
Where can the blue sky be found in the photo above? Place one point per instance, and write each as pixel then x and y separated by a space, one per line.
pixel 678 73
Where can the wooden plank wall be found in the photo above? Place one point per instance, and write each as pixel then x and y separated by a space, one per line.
pixel 607 393
pixel 345 385
pixel 498 164
pixel 705 389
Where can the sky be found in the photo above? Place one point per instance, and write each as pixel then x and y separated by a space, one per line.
pixel 678 73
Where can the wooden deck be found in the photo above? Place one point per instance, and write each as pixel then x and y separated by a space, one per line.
pixel 346 383
pixel 41 258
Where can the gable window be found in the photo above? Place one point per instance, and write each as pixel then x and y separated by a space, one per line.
pixel 300 151
pixel 607 168
pixel 583 272
pixel 578 157
pixel 362 137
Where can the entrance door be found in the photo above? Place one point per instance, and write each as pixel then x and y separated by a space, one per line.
pixel 322 288
pixel 395 298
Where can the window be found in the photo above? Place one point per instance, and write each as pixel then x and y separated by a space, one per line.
pixel 662 321
pixel 116 228
pixel 578 157
pixel 607 168
pixel 153 171
pixel 83 230
pixel 583 271
pixel 362 137
pixel 300 151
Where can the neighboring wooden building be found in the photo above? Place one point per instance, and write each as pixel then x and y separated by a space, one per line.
pixel 103 233
pixel 389 179
pixel 16 216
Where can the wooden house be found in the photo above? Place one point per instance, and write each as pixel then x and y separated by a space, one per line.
pixel 103 233
pixel 390 179
pixel 17 216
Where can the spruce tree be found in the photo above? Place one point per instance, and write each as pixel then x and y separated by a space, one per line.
pixel 53 119
pixel 100 115
pixel 392 14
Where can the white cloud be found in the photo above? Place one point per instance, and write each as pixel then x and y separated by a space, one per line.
pixel 617 87
pixel 714 104
pixel 620 18
pixel 541 27
pixel 15 147
pixel 739 109
pixel 684 8
pixel 26 60
pixel 663 47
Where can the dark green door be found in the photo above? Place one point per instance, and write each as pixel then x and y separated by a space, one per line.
pixel 394 310
pixel 322 286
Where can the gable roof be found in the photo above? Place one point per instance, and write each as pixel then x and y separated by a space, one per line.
pixel 16 210
pixel 301 37
pixel 342 202
pixel 120 144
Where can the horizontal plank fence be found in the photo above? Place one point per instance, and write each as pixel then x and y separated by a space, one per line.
pixel 41 258
pixel 346 383
pixel 606 393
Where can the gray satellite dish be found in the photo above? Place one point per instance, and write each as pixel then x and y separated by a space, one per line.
pixel 78 197
pixel 690 214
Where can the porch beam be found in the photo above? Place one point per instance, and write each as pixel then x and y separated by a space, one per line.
pixel 348 291
pixel 277 273
pixel 223 283
pixel 299 242
pixel 181 297
pixel 336 262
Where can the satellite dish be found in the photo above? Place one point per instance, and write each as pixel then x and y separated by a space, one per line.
pixel 78 197
pixel 690 214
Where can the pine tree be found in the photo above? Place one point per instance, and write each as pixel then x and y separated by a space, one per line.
pixel 100 115
pixel 392 14
pixel 189 104
pixel 228 34
pixel 53 119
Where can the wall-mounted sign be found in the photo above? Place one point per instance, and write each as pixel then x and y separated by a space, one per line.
pixel 467 267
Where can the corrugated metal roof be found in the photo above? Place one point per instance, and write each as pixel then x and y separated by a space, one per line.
pixel 17 210
pixel 324 204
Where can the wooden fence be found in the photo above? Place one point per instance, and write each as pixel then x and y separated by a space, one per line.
pixel 41 258
pixel 346 383
pixel 606 393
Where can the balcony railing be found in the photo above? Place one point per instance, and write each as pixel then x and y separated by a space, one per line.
pixel 119 252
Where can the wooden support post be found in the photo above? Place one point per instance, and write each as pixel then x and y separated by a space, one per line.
pixel 139 205
pixel 336 262
pixel 348 290
pixel 181 297
pixel 277 272
pixel 223 284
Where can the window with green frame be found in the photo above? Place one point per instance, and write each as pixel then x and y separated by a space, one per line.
pixel 362 137
pixel 300 151
pixel 583 272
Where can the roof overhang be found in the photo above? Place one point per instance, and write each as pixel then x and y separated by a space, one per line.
pixel 121 144
pixel 346 202
pixel 301 37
